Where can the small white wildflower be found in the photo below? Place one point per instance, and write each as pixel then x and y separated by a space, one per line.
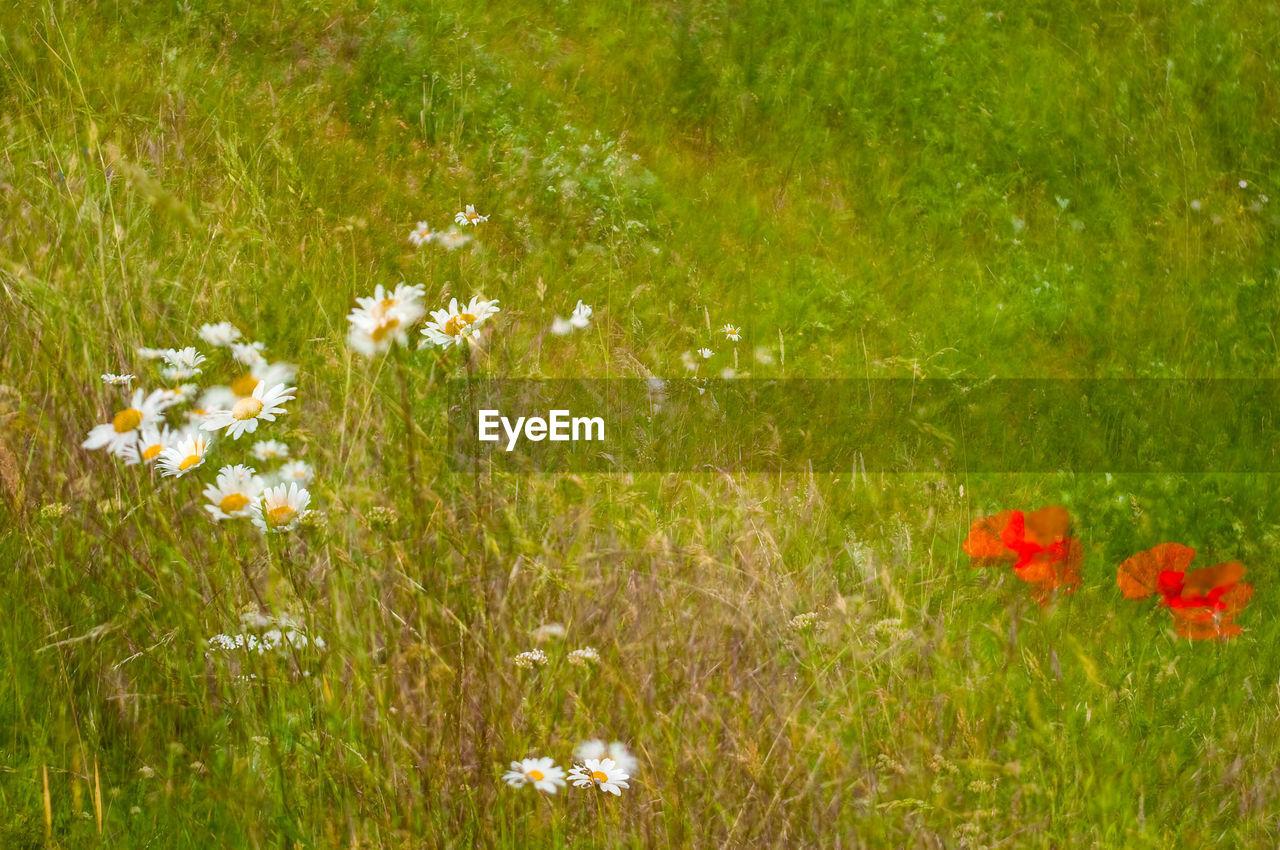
pixel 547 631
pixel 248 353
pixel 219 335
pixel 244 416
pixel 458 322
pixel 597 749
pixel 384 319
pixel 270 450
pixel 600 773
pixel 531 659
pixel 117 380
pixel 803 622
pixel 297 472
pixel 452 239
pixel 422 234
pixel 183 456
pixel 541 773
pixel 584 657
pixel 183 363
pixel 470 216
pixel 279 508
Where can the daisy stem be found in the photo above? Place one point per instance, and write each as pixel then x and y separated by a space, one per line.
pixel 411 460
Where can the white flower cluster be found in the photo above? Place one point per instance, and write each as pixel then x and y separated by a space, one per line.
pixel 607 768
pixel 144 430
pixel 277 634
pixel 384 320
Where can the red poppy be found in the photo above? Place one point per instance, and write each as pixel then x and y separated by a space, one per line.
pixel 1034 544
pixel 1204 602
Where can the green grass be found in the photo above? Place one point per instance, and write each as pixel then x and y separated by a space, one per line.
pixel 1037 189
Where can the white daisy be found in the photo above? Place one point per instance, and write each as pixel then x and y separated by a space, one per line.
pixel 151 353
pixel 470 216
pixel 734 334
pixel 280 507
pixel 121 433
pixel 248 353
pixel 242 386
pixel 270 450
pixel 452 239
pixel 561 327
pixel 183 363
pixel 151 442
pixel 244 416
pixel 384 319
pixel 601 773
pixel 184 455
pixel 422 234
pixel 581 315
pixel 296 472
pixel 117 380
pixel 597 749
pixel 541 773
pixel 706 353
pixel 451 326
pixel 233 493
pixel 219 335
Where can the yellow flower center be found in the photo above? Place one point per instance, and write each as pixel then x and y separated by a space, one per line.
pixel 244 385
pixel 246 408
pixel 126 420
pixel 599 776
pixel 281 515
pixel 381 331
pixel 457 323
pixel 232 502
pixel 536 775
pixel 151 451
pixel 189 461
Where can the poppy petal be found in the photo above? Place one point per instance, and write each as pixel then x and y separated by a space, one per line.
pixel 1205 630
pixel 1048 525
pixel 1236 598
pixel 985 542
pixel 1201 582
pixel 1139 576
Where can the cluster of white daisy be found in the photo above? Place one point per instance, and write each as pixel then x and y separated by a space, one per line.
pixel 263 634
pixel 383 320
pixel 450 239
pixel 606 767
pixel 145 430
pixel 691 359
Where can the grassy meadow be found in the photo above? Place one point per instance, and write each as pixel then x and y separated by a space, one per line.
pixel 803 658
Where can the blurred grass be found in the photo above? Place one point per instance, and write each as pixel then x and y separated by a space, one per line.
pixel 868 189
